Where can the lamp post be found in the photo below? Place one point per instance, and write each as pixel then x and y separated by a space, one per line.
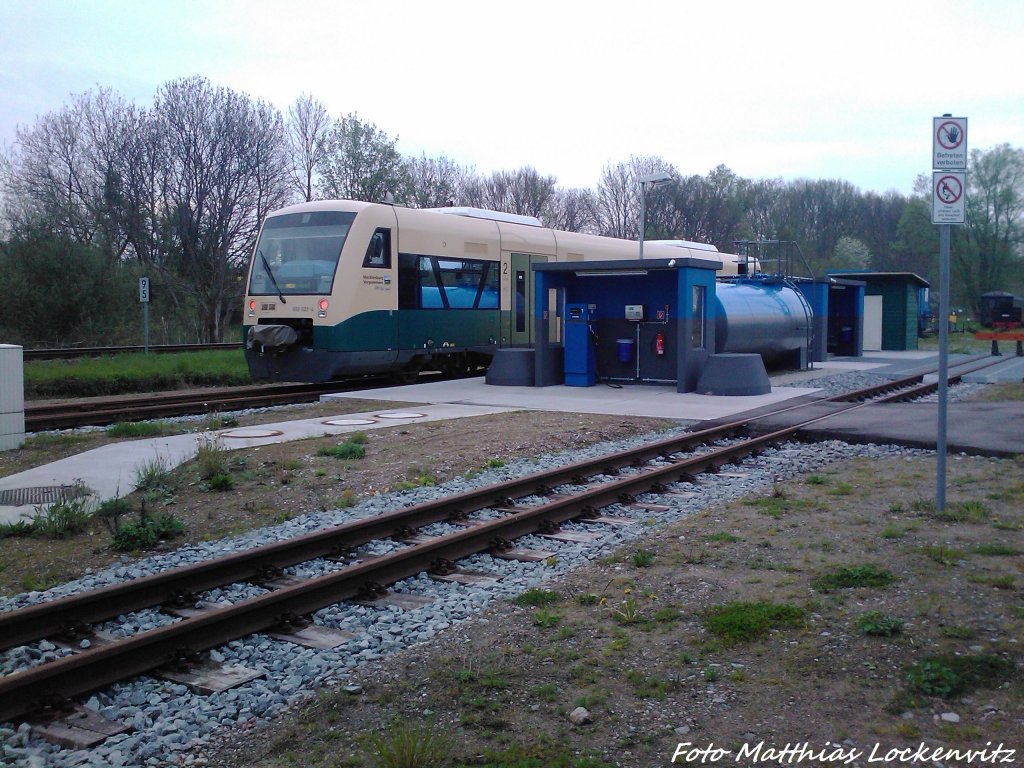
pixel 654 180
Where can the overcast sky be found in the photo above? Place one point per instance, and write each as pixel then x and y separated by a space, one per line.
pixel 771 89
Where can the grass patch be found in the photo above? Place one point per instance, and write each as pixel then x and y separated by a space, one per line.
pixel 537 598
pixel 134 372
pixel 853 577
pixel 132 429
pixel 740 622
pixel 965 512
pixel 642 558
pixel 346 450
pixel 722 537
pixel 996 550
pixel 947 676
pixel 62 519
pixel 942 555
pixel 877 624
pixel 408 746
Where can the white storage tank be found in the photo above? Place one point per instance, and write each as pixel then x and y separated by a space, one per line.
pixel 12 397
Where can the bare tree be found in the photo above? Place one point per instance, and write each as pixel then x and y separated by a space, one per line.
pixel 308 129
pixel 572 210
pixel 434 182
pixel 523 191
pixel 618 196
pixel 224 173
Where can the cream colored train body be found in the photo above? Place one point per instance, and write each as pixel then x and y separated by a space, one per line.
pixel 342 288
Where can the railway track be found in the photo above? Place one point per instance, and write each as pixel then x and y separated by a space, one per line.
pixel 97 411
pixel 576 492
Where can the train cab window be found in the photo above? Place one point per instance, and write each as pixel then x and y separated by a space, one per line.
pixel 378 251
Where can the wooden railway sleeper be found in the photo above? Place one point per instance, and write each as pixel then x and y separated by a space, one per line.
pixel 548 527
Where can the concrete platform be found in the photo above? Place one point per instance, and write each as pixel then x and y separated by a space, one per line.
pixel 986 429
pixel 995 429
pixel 110 470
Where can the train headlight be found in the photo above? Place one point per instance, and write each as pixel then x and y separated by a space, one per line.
pixel 322 308
pixel 252 307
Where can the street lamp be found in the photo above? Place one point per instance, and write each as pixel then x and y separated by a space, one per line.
pixel 654 180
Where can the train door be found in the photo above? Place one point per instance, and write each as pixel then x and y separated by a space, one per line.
pixel 517 322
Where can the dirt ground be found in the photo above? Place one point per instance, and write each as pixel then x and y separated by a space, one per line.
pixel 923 649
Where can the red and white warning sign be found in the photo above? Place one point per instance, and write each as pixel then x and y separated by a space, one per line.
pixel 949 203
pixel 949 143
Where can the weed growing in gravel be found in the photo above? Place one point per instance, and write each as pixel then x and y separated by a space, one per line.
pixel 17 529
pixel 346 450
pixel 63 518
pixel 947 676
pixel 740 622
pixel 965 512
pixel 628 613
pixel 537 598
pixel 110 511
pixel 853 577
pixel 153 477
pixel 402 745
pixel 815 480
pixel 347 499
pixel 147 532
pixel 723 537
pixel 545 618
pixel 877 624
pixel 892 531
pixel 922 505
pixel 942 555
pixel 999 582
pixel 642 558
pixel 841 489
pixel 957 631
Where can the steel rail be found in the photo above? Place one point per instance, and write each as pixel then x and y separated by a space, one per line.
pixel 23 691
pixel 53 617
pixel 27 690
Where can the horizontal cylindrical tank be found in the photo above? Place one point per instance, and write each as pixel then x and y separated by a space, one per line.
pixel 766 318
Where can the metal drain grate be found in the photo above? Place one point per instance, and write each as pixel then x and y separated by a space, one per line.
pixel 18 497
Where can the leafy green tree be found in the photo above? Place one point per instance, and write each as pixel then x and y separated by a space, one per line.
pixel 58 292
pixel 361 163
pixel 990 257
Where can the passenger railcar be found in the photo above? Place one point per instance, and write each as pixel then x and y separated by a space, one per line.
pixel 341 288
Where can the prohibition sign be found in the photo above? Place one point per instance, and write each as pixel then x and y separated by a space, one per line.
pixel 950 135
pixel 949 189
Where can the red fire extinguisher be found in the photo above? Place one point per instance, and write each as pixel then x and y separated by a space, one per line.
pixel 659 344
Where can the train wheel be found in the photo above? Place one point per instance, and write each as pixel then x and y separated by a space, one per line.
pixel 411 373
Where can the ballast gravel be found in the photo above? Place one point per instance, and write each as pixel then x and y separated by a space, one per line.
pixel 167 719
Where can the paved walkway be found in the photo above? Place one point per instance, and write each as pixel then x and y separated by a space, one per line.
pixel 110 470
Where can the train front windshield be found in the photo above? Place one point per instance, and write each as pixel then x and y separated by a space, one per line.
pixel 298 253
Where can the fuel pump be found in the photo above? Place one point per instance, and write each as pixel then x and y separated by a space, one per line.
pixel 580 346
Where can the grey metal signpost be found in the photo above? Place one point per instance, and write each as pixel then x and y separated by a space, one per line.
pixel 949 207
pixel 144 301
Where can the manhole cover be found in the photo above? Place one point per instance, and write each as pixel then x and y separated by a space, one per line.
pixel 19 497
pixel 348 422
pixel 401 415
pixel 249 434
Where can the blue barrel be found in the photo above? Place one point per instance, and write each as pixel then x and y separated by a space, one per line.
pixel 624 350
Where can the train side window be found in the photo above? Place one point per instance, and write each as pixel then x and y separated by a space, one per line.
pixel 378 251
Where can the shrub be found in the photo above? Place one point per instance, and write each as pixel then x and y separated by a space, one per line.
pixel 212 458
pixel 147 533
